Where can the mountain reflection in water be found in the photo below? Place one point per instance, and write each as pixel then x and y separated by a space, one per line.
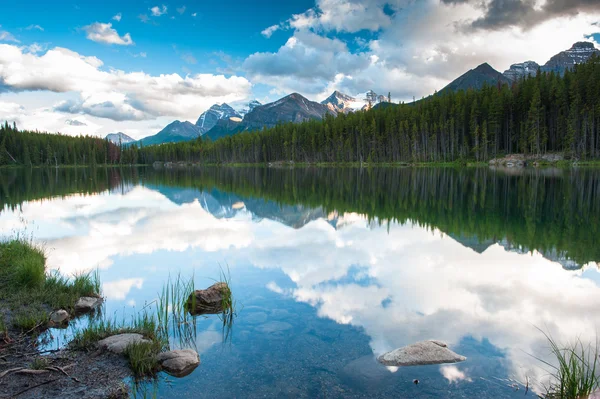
pixel 334 266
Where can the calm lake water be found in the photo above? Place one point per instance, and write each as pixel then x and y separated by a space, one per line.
pixel 333 267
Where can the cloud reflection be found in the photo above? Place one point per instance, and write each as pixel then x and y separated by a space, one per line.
pixel 412 283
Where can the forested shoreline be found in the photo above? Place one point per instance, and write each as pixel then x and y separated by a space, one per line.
pixel 549 210
pixel 547 113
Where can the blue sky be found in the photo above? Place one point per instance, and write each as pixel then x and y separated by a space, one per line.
pixel 134 66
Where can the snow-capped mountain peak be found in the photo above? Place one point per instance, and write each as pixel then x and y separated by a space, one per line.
pixel 340 102
pixel 246 107
pixel 210 117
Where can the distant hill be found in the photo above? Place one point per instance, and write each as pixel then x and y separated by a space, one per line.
pixel 475 78
pixel 119 138
pixel 173 133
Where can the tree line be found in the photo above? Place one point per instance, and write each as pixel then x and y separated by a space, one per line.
pixel 32 148
pixel 536 115
pixel 553 211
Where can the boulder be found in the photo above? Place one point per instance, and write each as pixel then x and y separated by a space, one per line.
pixel 179 363
pixel 87 304
pixel 59 317
pixel 421 353
pixel 209 301
pixel 118 343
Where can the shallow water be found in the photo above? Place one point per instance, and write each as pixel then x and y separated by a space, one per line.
pixel 332 267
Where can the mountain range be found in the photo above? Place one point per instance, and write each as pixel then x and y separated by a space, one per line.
pixel 222 120
pixel 475 78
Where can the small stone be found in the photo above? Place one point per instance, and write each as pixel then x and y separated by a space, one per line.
pixel 421 353
pixel 87 304
pixel 59 316
pixel 118 343
pixel 208 301
pixel 179 363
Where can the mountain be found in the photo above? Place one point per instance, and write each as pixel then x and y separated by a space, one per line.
pixel 293 108
pixel 225 127
pixel 119 138
pixel 579 53
pixel 248 107
pixel 521 70
pixel 210 117
pixel 340 102
pixel 174 132
pixel 475 78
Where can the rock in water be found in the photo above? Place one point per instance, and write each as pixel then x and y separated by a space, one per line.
pixel 179 363
pixel 421 353
pixel 211 300
pixel 59 316
pixel 118 343
pixel 87 304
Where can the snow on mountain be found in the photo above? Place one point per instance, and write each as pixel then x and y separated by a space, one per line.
pixel 210 117
pixel 521 70
pixel 243 108
pixel 579 53
pixel 340 102
pixel 119 138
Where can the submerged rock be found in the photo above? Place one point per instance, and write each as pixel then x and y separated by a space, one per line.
pixel 421 353
pixel 87 304
pixel 60 316
pixel 214 299
pixel 118 343
pixel 179 363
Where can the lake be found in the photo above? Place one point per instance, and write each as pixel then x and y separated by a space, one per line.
pixel 331 267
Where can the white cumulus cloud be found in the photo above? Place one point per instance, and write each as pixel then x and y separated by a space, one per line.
pixel 104 33
pixel 117 17
pixel 114 94
pixel 158 11
pixel 268 32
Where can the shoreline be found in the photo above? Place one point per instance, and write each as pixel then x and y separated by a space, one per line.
pixel 291 165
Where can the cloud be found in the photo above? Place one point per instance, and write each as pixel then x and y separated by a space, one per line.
pixel 526 14
pixel 453 374
pixel 268 32
pixel 158 11
pixel 181 10
pixel 141 54
pixel 119 289
pixel 30 27
pixel 117 17
pixel 34 48
pixel 346 15
pixel 188 58
pixel 74 122
pixel 7 36
pixel 195 14
pixel 305 62
pixel 114 94
pixel 429 44
pixel 104 33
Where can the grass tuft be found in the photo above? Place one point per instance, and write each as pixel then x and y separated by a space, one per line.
pixel 39 363
pixel 142 358
pixel 576 375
